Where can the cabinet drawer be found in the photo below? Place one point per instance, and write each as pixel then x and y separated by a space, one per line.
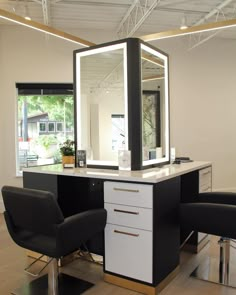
pixel 135 217
pixel 205 180
pixel 132 194
pixel 205 188
pixel 129 252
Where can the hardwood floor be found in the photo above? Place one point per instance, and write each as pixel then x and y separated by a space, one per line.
pixel 13 260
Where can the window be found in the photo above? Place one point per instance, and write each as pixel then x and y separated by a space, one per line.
pixel 51 126
pixel 42 127
pixel 45 119
pixel 59 127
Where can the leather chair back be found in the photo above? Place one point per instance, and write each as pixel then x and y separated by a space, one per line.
pixel 32 210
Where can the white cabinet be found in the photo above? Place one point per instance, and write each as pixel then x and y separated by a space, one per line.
pixel 128 252
pixel 135 217
pixel 205 185
pixel 205 176
pixel 129 230
pixel 130 194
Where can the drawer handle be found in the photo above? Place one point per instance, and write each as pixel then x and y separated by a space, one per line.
pixel 125 233
pixel 126 190
pixel 206 189
pixel 205 173
pixel 124 211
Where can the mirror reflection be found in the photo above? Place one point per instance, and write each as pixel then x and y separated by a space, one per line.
pixel 101 101
pixel 155 119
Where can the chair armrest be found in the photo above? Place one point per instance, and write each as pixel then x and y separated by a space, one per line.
pixel 78 228
pixel 218 197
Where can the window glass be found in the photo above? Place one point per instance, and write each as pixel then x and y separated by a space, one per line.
pixel 42 127
pixel 59 126
pixel 45 120
pixel 51 127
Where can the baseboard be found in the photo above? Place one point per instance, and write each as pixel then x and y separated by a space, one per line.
pixel 141 287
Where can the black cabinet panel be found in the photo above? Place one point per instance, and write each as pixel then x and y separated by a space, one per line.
pixel 72 194
pixel 40 181
pixel 166 228
pixel 189 193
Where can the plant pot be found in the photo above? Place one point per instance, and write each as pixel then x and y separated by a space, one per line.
pixel 68 161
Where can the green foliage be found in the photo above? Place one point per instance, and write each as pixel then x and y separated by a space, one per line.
pixel 46 140
pixel 57 157
pixel 67 148
pixel 58 107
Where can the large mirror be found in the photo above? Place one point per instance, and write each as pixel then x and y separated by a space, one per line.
pixel 101 98
pixel 155 106
pixel 121 88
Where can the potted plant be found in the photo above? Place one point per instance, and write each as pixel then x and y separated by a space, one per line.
pixel 67 150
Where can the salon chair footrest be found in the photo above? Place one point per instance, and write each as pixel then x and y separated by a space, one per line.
pixel 67 285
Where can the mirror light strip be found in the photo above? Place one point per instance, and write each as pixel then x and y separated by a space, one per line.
pixel 191 30
pixel 43 28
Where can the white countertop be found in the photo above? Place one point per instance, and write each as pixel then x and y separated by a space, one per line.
pixel 152 175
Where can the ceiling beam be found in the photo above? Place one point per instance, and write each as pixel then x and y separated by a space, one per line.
pixel 151 78
pixel 202 38
pixel 192 30
pixel 213 12
pixel 135 16
pixel 45 7
pixel 36 1
pixel 153 60
pixel 43 28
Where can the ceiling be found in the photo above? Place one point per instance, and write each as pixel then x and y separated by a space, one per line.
pixel 124 17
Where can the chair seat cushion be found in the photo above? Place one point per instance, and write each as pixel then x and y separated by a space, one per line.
pixel 37 242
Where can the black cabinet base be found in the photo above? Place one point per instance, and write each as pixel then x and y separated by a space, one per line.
pixel 67 285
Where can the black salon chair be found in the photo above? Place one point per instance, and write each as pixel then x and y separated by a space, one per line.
pixel 35 222
pixel 213 213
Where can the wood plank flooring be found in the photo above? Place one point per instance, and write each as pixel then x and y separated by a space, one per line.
pixel 13 260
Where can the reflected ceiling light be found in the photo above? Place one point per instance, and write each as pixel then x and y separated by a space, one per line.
pixel 43 28
pixel 183 24
pixel 191 30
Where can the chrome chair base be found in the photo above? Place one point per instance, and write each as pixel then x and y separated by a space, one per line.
pixel 218 271
pixel 67 285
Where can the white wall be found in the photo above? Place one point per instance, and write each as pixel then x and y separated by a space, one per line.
pixel 30 56
pixel 26 56
pixel 202 89
pixel 203 104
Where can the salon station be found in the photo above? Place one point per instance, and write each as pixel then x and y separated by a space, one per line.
pixel 147 206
